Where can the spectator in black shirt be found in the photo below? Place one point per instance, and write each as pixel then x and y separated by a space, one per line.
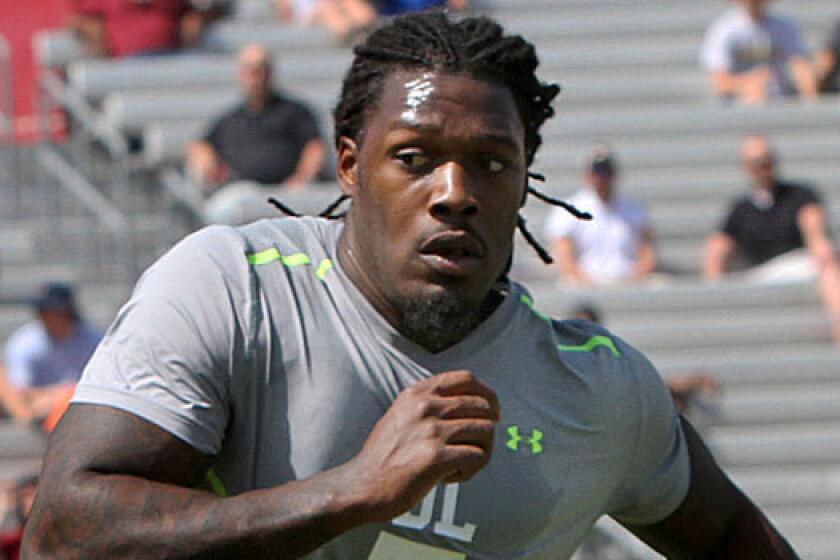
pixel 778 229
pixel 269 139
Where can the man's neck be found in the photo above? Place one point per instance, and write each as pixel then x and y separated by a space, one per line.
pixel 758 15
pixel 258 103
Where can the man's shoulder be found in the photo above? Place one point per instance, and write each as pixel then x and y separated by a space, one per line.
pixel 303 233
pixel 797 188
pixel 28 338
pixel 583 199
pixel 282 101
pixel 782 22
pixel 740 202
pixel 603 358
pixel 729 20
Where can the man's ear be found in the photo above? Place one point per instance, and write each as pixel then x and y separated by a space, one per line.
pixel 347 172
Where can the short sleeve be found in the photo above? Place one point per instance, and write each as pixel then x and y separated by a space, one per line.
pixel 730 225
pixel 658 476
pixel 19 354
pixel 306 127
pixel 559 224
pixel 170 353
pixel 213 136
pixel 715 54
pixel 808 196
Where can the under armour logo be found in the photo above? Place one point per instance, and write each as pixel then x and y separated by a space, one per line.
pixel 534 440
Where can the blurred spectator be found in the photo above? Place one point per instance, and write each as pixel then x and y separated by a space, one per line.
pixel 617 245
pixel 778 229
pixel 45 356
pixel 270 139
pixel 396 7
pixel 748 53
pixel 342 17
pixel 587 311
pixel 828 62
pixel 138 27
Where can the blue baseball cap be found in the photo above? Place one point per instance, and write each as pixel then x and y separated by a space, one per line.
pixel 56 296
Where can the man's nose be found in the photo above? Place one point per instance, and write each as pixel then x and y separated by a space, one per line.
pixel 453 196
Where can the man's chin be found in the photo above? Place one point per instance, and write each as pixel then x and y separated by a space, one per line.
pixel 439 317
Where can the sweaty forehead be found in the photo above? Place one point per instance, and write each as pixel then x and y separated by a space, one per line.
pixel 446 101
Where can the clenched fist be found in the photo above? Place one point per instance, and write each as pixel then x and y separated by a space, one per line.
pixel 438 430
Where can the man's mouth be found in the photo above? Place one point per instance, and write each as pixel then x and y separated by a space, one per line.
pixel 453 253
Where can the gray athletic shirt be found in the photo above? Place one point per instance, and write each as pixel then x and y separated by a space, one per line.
pixel 252 345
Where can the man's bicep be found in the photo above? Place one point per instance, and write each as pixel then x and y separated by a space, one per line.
pixel 99 439
pixel 706 512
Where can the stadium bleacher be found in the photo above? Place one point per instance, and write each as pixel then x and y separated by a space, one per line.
pixel 630 77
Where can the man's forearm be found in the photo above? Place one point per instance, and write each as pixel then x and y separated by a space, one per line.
pixel 119 516
pixel 805 77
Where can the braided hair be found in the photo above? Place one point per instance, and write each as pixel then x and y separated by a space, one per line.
pixel 475 46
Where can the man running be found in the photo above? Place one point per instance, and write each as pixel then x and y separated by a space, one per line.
pixel 377 387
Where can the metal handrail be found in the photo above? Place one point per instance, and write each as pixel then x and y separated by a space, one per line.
pixel 87 194
pixel 108 215
pixel 184 191
pixel 76 105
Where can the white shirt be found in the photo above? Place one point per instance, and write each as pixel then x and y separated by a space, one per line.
pixel 608 244
pixel 735 43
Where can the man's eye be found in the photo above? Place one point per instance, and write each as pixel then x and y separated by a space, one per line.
pixel 495 165
pixel 413 159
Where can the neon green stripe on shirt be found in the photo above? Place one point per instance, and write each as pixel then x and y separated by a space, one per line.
pixel 265 257
pixel 591 344
pixel 216 483
pixel 524 298
pixel 271 255
pixel 323 268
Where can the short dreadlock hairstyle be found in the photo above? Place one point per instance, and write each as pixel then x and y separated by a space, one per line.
pixel 475 46
pixel 432 41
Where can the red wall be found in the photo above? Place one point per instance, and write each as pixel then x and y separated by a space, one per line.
pixel 19 19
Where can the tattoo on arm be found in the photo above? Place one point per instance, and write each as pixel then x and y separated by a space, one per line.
pixel 116 486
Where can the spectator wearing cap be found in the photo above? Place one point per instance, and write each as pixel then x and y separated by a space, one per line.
pixel 616 246
pixel 45 356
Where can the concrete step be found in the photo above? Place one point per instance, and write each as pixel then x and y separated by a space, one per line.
pixel 683 296
pixel 780 365
pixel 751 446
pixel 774 487
pixel 780 405
pixel 718 334
pixel 16 246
